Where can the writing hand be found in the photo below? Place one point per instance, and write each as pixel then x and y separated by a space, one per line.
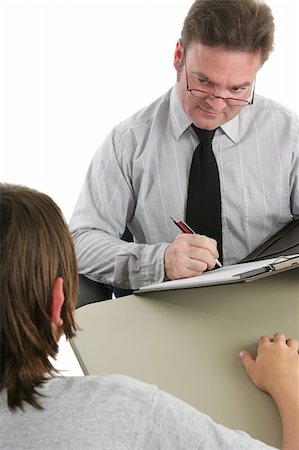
pixel 189 255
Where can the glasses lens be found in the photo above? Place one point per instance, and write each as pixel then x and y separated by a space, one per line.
pixel 236 102
pixel 228 101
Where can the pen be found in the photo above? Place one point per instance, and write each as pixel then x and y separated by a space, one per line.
pixel 186 229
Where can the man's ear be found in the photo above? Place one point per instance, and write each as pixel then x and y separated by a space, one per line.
pixel 178 55
pixel 57 301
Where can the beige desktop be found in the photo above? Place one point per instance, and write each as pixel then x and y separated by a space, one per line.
pixel 187 342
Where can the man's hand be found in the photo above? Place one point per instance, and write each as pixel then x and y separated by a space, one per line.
pixel 189 255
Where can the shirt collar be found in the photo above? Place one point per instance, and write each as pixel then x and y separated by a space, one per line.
pixel 180 121
pixel 231 129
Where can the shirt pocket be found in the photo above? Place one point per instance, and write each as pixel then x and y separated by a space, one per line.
pixel 266 209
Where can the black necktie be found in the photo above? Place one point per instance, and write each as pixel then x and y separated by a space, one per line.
pixel 204 199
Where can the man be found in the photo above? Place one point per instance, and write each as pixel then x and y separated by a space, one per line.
pixel 38 285
pixel 141 174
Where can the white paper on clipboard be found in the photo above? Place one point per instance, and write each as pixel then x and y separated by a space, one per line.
pixel 228 274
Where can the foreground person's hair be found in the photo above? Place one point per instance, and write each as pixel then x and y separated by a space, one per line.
pixel 35 248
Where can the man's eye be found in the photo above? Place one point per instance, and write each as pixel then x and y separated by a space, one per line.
pixel 238 90
pixel 202 81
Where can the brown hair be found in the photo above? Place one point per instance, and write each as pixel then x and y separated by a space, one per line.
pixel 237 25
pixel 35 248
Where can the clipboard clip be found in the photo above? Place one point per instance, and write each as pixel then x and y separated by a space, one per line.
pixel 281 263
pixel 285 263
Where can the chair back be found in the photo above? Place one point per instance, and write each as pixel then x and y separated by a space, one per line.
pixel 91 291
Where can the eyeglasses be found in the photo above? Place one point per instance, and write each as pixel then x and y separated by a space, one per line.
pixel 209 95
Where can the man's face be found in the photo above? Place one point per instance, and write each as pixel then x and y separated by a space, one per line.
pixel 220 72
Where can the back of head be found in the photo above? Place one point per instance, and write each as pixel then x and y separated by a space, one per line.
pixel 35 248
pixel 235 25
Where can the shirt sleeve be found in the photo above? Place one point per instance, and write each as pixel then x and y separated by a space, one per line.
pixel 177 425
pixel 103 209
pixel 294 177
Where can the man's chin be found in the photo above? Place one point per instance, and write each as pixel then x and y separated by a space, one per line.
pixel 207 123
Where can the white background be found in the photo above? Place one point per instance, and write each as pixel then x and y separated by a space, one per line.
pixel 71 69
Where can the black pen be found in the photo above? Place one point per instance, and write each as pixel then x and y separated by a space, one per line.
pixel 186 229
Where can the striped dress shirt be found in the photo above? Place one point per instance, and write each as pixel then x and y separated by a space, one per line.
pixel 139 178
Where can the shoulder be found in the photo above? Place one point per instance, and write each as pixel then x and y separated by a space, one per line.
pixel 270 119
pixel 132 135
pixel 263 104
pixel 145 116
pixel 135 130
pixel 84 389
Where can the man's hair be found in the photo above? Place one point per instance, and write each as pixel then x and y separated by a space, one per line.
pixel 236 25
pixel 35 249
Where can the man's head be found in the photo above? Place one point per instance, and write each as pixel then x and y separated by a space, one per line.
pixel 38 288
pixel 223 44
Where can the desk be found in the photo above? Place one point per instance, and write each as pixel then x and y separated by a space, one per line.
pixel 187 342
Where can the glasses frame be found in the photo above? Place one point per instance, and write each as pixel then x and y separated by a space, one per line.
pixel 211 96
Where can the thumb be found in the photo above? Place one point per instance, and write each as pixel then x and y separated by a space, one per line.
pixel 247 360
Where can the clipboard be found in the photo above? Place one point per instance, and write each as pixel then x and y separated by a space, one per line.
pixel 237 273
pixel 284 242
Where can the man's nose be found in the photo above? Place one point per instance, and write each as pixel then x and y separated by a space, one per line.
pixel 216 103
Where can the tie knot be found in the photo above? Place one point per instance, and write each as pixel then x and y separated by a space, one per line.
pixel 205 136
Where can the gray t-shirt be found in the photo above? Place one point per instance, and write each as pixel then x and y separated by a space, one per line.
pixel 113 412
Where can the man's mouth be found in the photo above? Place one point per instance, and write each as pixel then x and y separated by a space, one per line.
pixel 210 112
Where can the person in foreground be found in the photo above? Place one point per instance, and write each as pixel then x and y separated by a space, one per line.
pixel 39 410
pixel 150 167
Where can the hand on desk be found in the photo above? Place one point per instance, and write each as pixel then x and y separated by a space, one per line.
pixel 189 255
pixel 276 370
